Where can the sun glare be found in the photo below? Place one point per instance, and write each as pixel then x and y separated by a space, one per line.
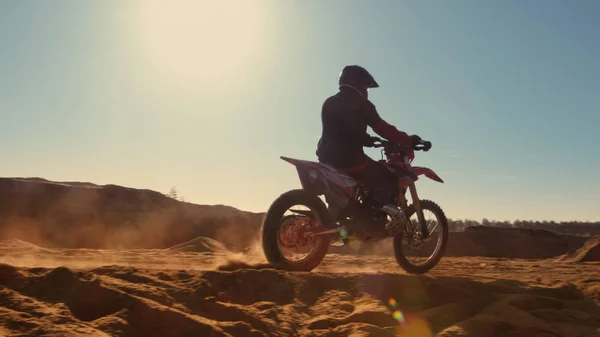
pixel 206 40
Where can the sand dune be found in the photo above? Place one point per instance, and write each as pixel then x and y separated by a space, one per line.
pixel 489 242
pixel 85 215
pixel 175 293
pixel 590 251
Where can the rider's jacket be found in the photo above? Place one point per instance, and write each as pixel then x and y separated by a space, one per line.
pixel 345 117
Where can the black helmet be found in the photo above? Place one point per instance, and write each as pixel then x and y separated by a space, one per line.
pixel 358 78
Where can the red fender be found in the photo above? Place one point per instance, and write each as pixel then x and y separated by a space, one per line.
pixel 405 182
pixel 427 172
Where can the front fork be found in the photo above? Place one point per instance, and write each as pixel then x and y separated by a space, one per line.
pixel 417 204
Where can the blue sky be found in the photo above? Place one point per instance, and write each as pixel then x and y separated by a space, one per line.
pixel 206 96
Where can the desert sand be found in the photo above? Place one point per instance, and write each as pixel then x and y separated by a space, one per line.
pixel 180 292
pixel 78 259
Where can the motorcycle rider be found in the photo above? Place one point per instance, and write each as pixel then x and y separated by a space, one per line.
pixel 345 117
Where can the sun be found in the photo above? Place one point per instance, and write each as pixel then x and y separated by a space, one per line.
pixel 200 39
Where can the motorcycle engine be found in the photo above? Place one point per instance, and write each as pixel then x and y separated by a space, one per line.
pixel 369 217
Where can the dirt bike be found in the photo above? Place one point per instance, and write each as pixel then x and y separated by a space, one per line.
pixel 350 214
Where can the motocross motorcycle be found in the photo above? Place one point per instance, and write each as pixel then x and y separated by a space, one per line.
pixel 348 214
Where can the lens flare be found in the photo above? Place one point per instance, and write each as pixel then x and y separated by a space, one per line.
pixel 344 233
pixel 398 316
pixel 392 302
pixel 412 325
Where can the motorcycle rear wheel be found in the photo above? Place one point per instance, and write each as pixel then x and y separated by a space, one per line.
pixel 272 226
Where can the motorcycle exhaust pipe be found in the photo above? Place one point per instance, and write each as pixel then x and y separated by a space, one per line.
pixel 397 220
pixel 392 210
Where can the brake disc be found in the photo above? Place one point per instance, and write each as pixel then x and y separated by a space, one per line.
pixel 292 231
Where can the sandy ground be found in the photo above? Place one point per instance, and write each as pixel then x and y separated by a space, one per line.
pixel 79 292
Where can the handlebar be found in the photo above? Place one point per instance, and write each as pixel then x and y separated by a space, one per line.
pixel 422 145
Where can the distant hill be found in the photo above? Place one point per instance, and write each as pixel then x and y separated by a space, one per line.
pixel 86 215
pixel 81 214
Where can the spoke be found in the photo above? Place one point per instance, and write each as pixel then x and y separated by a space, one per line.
pixel 297 223
pixel 434 227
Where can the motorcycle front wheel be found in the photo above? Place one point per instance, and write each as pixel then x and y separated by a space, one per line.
pixel 409 246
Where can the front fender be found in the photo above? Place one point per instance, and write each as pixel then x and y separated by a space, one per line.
pixel 427 172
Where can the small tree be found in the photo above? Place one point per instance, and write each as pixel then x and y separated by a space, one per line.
pixel 173 193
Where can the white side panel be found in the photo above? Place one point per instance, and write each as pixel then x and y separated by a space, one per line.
pixel 337 177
